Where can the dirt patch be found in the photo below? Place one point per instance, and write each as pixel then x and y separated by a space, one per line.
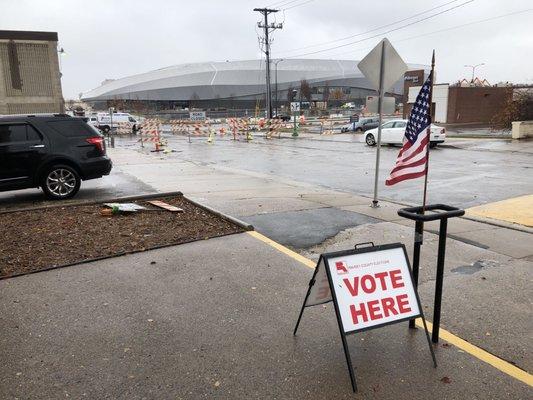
pixel 34 240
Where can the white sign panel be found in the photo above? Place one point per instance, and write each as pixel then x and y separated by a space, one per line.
pixel 295 106
pixel 197 115
pixel 373 288
pixel 394 66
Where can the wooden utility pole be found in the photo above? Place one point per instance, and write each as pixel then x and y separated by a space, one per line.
pixel 266 41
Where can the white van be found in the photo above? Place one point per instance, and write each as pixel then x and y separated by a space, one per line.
pixel 102 121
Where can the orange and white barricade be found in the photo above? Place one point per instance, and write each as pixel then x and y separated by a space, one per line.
pixel 238 126
pixel 151 132
pixel 124 128
pixel 274 126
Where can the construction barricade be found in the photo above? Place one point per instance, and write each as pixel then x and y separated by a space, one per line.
pixel 240 126
pixel 150 131
pixel 124 128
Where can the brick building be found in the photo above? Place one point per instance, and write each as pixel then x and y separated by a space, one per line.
pixel 458 104
pixel 30 80
pixel 476 104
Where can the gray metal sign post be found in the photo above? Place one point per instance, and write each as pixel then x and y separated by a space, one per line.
pixel 382 67
pixel 375 202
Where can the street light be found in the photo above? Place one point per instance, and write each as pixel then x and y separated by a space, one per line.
pixel 61 53
pixel 276 75
pixel 474 69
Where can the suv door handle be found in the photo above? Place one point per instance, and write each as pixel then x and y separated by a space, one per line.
pixel 37 146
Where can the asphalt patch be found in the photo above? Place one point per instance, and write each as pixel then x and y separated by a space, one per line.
pixel 306 228
pixel 475 267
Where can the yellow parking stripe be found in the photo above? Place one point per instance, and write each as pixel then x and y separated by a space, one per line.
pixel 481 354
pixel 518 210
pixel 462 344
pixel 307 262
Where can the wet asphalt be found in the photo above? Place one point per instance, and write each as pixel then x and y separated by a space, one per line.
pixel 478 173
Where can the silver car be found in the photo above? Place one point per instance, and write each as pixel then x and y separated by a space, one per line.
pixel 362 125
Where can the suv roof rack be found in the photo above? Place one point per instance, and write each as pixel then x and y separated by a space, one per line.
pixel 34 115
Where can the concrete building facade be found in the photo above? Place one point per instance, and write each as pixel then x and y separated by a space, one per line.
pixel 30 80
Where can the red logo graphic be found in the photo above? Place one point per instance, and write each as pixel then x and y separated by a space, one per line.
pixel 342 268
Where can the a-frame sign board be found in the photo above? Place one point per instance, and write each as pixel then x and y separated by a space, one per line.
pixel 370 287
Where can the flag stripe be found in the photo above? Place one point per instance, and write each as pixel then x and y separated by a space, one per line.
pixel 390 182
pixel 397 168
pixel 415 155
pixel 412 158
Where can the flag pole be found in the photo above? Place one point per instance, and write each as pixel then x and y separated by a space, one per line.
pixel 419 226
pixel 428 132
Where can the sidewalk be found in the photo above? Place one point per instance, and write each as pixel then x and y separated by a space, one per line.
pixel 214 319
pixel 262 200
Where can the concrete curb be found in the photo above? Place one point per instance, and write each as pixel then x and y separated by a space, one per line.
pixel 242 224
pixel 488 221
pixel 92 202
pixel 501 224
pixel 90 260
pixel 235 221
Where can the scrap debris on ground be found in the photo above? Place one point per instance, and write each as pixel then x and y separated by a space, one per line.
pixel 34 240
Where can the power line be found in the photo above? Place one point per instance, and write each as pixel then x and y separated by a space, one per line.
pixel 383 33
pixel 282 3
pixel 444 30
pixel 371 30
pixel 301 4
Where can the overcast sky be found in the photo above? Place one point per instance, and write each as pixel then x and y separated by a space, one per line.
pixel 115 38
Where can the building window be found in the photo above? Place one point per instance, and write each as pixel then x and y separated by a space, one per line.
pixel 14 66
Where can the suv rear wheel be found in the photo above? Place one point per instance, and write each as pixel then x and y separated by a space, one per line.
pixel 60 182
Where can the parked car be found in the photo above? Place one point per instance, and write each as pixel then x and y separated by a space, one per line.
pixel 52 151
pixel 363 124
pixel 283 117
pixel 393 132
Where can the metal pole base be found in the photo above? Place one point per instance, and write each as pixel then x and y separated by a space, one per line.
pixel 375 204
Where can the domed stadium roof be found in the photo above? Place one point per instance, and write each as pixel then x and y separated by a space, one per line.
pixel 232 79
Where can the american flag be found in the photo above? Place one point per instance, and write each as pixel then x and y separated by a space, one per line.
pixel 412 159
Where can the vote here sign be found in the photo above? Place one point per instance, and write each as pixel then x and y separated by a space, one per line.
pixel 372 288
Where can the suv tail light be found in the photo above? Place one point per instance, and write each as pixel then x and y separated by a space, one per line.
pixel 98 142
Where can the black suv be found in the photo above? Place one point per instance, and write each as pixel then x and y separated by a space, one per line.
pixel 51 151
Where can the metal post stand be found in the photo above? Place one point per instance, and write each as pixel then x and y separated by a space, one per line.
pixel 440 212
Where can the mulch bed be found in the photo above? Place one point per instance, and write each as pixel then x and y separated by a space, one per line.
pixel 34 240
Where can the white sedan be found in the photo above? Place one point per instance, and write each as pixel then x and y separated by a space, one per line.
pixel 392 132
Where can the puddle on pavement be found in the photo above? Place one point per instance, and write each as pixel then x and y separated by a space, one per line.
pixel 475 267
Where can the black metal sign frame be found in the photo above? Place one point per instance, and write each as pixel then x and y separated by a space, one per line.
pixel 325 257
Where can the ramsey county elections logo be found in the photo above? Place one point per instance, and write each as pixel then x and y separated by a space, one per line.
pixel 341 266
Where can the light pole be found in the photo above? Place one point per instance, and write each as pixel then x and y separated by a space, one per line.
pixel 276 78
pixel 474 69
pixel 293 109
pixel 61 53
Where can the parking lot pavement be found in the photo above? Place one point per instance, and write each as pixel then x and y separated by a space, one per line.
pixel 214 318
pixel 472 173
pixel 116 184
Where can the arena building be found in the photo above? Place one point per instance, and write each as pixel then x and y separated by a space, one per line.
pixel 241 84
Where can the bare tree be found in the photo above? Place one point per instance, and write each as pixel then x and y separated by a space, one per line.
pixel 325 95
pixel 305 90
pixel 291 94
pixel 518 107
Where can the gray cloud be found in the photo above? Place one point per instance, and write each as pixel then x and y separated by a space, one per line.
pixel 116 38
